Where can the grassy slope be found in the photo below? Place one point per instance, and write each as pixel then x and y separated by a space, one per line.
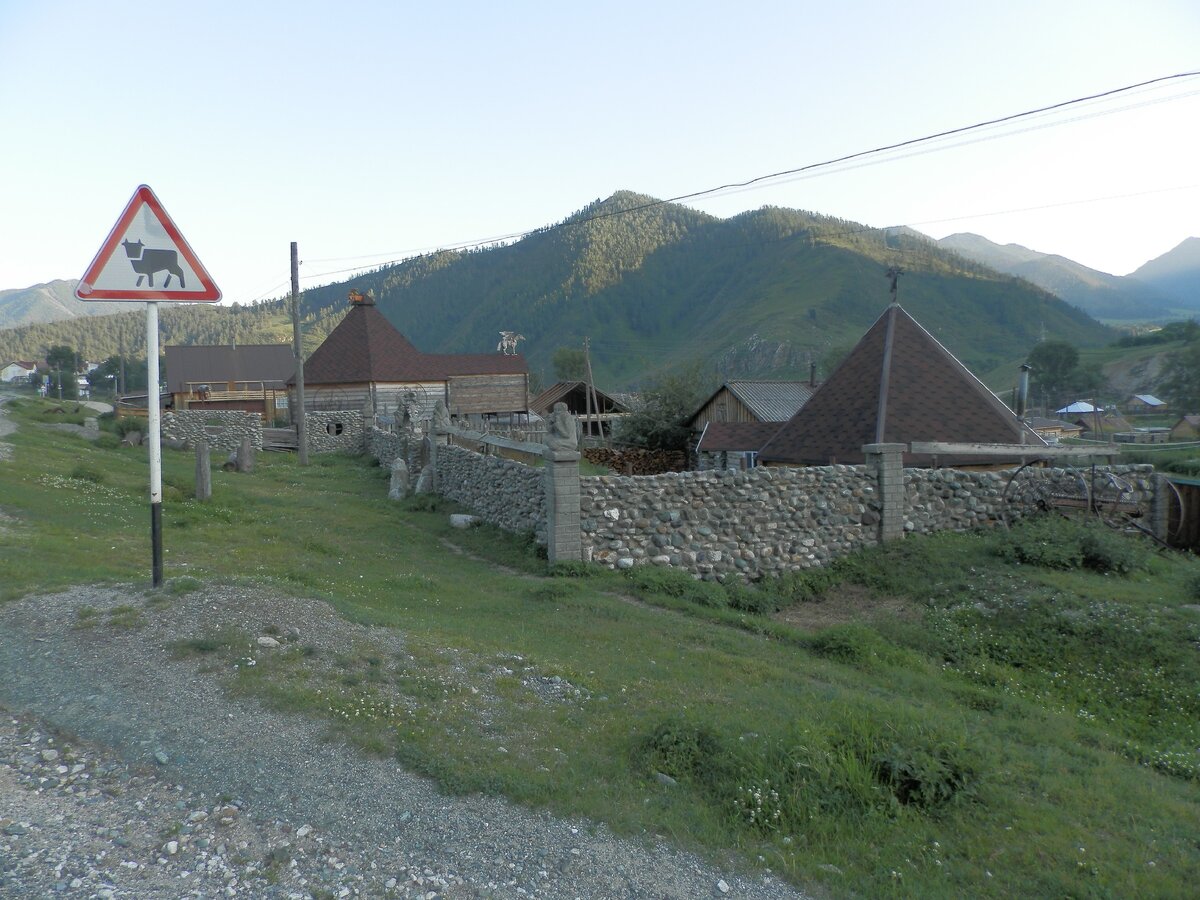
pixel 1050 803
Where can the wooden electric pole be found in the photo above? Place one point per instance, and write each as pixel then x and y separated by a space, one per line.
pixel 298 414
pixel 592 401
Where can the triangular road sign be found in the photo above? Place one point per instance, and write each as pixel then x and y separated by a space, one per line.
pixel 146 258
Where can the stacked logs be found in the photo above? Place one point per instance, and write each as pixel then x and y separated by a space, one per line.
pixel 637 461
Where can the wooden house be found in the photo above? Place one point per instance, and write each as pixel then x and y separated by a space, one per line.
pixel 899 385
pixel 1145 403
pixel 1101 425
pixel 1186 429
pixel 367 364
pixel 251 377
pixel 603 411
pixel 730 427
pixel 1053 430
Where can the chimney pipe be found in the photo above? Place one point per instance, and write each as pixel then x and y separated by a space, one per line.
pixel 812 374
pixel 1023 390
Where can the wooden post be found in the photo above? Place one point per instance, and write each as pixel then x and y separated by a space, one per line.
pixel 298 415
pixel 203 472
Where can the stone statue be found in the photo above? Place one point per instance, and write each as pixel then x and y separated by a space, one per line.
pixel 398 489
pixel 564 429
pixel 441 417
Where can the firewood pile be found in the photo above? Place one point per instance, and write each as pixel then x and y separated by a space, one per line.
pixel 637 461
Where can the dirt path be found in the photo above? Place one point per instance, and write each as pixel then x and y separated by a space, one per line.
pixel 167 787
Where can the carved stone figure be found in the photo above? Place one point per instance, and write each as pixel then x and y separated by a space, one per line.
pixel 398 489
pixel 441 417
pixel 564 429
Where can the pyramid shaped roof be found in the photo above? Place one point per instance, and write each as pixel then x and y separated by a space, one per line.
pixel 898 385
pixel 366 347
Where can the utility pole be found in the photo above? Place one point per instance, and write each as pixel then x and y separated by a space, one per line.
pixel 593 401
pixel 121 358
pixel 298 414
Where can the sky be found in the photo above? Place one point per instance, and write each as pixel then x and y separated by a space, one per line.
pixel 368 132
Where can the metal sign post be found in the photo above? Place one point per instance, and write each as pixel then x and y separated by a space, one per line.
pixel 152 247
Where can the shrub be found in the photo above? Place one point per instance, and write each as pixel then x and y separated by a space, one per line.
pixel 84 472
pixel 753 600
pixel 925 777
pixel 675 583
pixel 802 586
pixel 1108 551
pixel 685 751
pixel 850 643
pixel 1058 543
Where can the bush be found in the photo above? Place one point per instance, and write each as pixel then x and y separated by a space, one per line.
pixel 925 777
pixel 84 472
pixel 802 586
pixel 754 600
pixel 674 583
pixel 685 751
pixel 850 643
pixel 1109 551
pixel 1058 543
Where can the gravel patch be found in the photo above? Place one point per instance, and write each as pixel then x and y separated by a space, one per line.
pixel 127 772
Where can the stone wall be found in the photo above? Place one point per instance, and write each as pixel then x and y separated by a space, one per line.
pixel 715 524
pixel 331 432
pixel 224 429
pixel 950 500
pixel 769 520
pixel 501 492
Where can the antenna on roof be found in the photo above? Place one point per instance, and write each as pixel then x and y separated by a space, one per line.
pixel 894 273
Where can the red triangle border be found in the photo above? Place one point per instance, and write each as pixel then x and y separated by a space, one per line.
pixel 143 196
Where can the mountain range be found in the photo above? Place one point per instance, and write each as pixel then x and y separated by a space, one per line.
pixel 1165 288
pixel 655 288
pixel 50 302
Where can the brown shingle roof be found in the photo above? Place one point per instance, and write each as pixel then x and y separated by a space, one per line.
pixel 898 385
pixel 272 364
pixel 366 347
pixel 720 437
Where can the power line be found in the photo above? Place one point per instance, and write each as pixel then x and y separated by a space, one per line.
pixel 801 171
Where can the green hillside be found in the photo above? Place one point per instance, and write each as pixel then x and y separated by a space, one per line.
pixel 657 287
pixel 665 288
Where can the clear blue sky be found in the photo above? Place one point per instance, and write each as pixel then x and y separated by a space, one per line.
pixel 368 131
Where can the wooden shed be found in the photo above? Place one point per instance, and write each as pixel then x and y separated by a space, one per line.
pixel 366 363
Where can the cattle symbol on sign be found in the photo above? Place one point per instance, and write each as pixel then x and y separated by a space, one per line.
pixel 157 263
pixel 146 262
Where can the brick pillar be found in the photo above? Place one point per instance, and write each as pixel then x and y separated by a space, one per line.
pixel 888 462
pixel 563 541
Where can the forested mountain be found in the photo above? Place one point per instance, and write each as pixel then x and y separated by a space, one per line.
pixel 97 338
pixel 1097 293
pixel 1176 273
pixel 662 287
pixel 658 288
pixel 49 302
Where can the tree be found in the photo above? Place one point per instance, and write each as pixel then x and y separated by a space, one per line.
pixel 569 364
pixel 60 359
pixel 657 421
pixel 1058 375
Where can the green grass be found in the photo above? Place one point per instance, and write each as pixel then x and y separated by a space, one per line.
pixel 1021 730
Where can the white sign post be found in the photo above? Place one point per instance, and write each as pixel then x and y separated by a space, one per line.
pixel 151 248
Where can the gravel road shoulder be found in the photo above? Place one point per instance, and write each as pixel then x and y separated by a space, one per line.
pixel 128 772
